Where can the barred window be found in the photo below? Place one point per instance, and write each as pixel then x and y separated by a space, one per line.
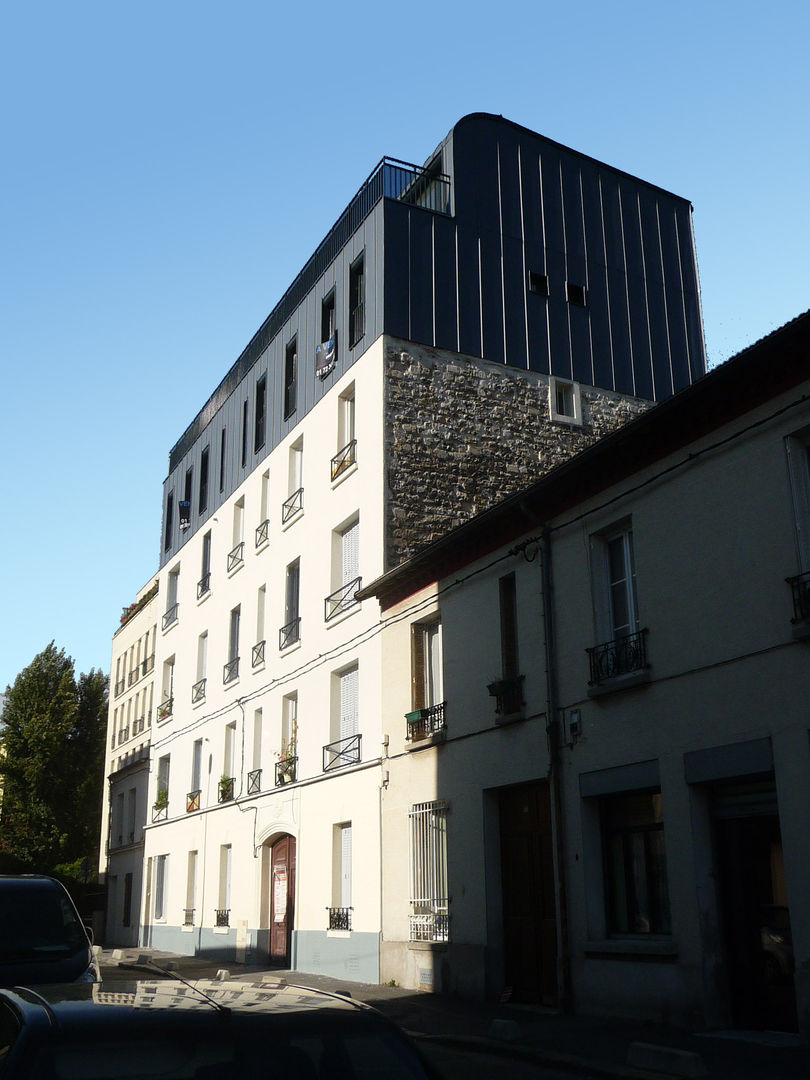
pixel 429 919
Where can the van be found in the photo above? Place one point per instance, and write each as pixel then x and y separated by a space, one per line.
pixel 42 938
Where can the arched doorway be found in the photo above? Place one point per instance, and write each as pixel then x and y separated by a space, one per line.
pixel 280 893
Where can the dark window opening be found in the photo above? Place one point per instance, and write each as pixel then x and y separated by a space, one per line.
pixel 635 864
pixel 203 493
pixel 290 365
pixel 357 297
pixel 167 535
pixel 328 317
pixel 259 424
pixel 185 502
pixel 575 294
pixel 244 432
pixel 222 461
pixel 538 283
pixel 509 637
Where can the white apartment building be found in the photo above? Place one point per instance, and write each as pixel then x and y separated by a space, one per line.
pixel 444 344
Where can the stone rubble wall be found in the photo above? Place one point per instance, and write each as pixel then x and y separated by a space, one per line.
pixel 461 434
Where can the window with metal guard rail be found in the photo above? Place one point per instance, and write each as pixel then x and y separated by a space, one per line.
pixel 291 505
pixel 148 664
pixel 236 557
pixel 164 710
pixel 262 532
pixel 188 916
pixel 290 633
pixel 286 768
pixel 230 671
pixel 423 723
pixel 430 905
pixel 622 656
pixel 341 599
pixel 223 917
pixel 170 616
pixel 800 589
pixel 198 691
pixel 340 918
pixel 343 459
pixel 226 788
pixel 193 801
pixel 341 752
pixel 257 654
pixel 254 782
pixel 204 585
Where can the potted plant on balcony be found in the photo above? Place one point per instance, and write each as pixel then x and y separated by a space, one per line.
pixel 285 770
pixel 161 804
pixel 225 788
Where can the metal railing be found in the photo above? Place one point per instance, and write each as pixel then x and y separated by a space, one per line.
pixel 257 654
pixel 230 671
pixel 165 708
pixel 508 694
pixel 188 916
pixel 289 633
pixel 160 812
pixel 291 505
pixel 341 599
pixel 622 656
pixel 204 585
pixel 340 918
pixel 262 532
pixel 800 589
pixel 341 752
pixel 170 616
pixel 236 556
pixel 223 917
pixel 198 691
pixel 133 675
pixel 120 686
pixel 254 782
pixel 422 723
pixel 148 664
pixel 286 770
pixel 193 800
pixel 343 459
pixel 226 787
pixel 138 725
pixel 123 735
pixel 433 925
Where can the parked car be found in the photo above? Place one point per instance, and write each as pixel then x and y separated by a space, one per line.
pixel 206 1030
pixel 42 938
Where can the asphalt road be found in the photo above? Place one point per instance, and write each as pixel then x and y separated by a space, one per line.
pixel 453 1062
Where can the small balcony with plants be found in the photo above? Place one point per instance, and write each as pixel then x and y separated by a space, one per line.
pixel 226 788
pixel 160 807
pixel 286 767
pixel 426 727
pixel 165 708
pixel 508 694
pixel 222 917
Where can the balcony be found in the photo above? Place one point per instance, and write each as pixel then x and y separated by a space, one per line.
pixel 148 664
pixel 426 723
pixel 291 506
pixel 257 654
pixel 340 918
pixel 160 811
pixel 290 633
pixel 139 725
pixel 133 675
pixel 123 735
pixel 800 589
pixel 286 770
pixel 198 692
pixel 430 921
pixel 226 789
pixel 193 801
pixel 344 459
pixel 342 599
pixel 165 709
pixel 188 916
pixel 230 671
pixel 508 694
pixel 341 752
pixel 254 782
pixel 223 917
pixel 204 585
pixel 170 616
pixel 120 686
pixel 618 659
pixel 262 532
pixel 236 557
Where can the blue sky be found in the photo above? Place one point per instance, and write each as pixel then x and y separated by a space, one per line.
pixel 168 168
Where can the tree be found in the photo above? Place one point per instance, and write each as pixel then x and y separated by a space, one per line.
pixel 53 763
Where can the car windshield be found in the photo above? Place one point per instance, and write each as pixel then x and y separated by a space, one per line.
pixel 37 925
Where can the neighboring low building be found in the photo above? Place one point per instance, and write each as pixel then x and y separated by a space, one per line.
pixel 126 765
pixel 596 708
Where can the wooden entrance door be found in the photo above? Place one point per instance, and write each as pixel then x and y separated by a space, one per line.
pixel 282 898
pixel 527 880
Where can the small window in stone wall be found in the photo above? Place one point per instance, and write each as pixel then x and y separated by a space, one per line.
pixel 564 401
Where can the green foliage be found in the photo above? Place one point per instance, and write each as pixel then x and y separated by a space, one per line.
pixel 53 762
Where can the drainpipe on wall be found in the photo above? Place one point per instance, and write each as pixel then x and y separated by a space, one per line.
pixel 555 769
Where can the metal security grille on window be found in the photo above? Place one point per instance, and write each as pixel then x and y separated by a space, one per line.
pixel 340 918
pixel 430 904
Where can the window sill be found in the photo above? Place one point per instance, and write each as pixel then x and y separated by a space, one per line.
pixel 350 470
pixel 412 745
pixel 338 933
pixel 294 646
pixel 343 615
pixel 221 929
pixel 197 704
pixel 236 569
pixel 622 682
pixel 292 520
pixel 205 596
pixel 167 630
pixel 188 929
pixel 641 947
pixel 232 683
pixel 428 946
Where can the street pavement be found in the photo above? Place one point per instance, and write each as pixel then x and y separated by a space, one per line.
pixel 519 1037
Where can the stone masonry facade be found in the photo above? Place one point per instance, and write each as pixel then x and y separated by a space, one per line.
pixel 461 434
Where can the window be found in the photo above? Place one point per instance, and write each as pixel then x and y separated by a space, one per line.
pixel 347 723
pixel 204 584
pixel 161 867
pixel 223 911
pixel 222 460
pixel 256 758
pixel 538 283
pixel 191 889
pixel 798 451
pixel 231 669
pixel 294 502
pixel 290 365
pixel 236 556
pixel 564 401
pixel 126 915
pixel 575 294
pixel 257 658
pixel 163 771
pixel 328 316
pixel 347 442
pixel 168 522
pixel 637 893
pixel 290 631
pixel 340 911
pixel 198 689
pixel 243 455
pixel 167 690
pixel 326 351
pixel 429 919
pixel 345 570
pixel 202 497
pixel 172 606
pixel 623 645
pixel 617 551
pixel 196 771
pixel 132 814
pixel 228 753
pixel 185 504
pixel 260 417
pixel 357 297
pixel 426 653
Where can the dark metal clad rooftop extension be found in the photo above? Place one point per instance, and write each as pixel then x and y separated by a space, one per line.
pixel 390 179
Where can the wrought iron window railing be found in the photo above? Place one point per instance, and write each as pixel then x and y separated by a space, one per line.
pixel 198 691
pixel 340 918
pixel 133 675
pixel 236 556
pixel 193 800
pixel 508 694
pixel 223 917
pixel 341 752
pixel 341 599
pixel 343 459
pixel 422 723
pixel 160 811
pixel 430 922
pixel 622 656
pixel 120 686
pixel 188 916
pixel 138 725
pixel 254 782
pixel 204 585
pixel 170 616
pixel 291 506
pixel 800 589
pixel 286 770
pixel 123 734
pixel 148 664
pixel 165 708
pixel 289 633
pixel 230 671
pixel 257 654
pixel 262 532
pixel 226 788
